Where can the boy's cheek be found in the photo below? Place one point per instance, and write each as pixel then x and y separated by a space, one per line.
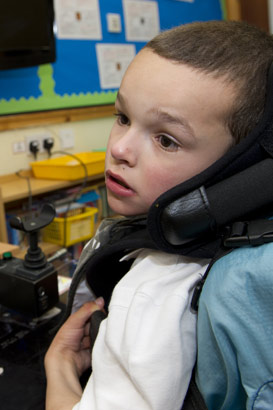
pixel 157 185
pixel 161 180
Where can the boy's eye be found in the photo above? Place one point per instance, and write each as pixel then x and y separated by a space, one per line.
pixel 167 143
pixel 122 119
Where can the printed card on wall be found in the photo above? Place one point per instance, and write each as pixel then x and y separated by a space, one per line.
pixel 113 59
pixel 78 19
pixel 141 20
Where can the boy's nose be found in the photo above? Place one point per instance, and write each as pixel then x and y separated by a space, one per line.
pixel 124 149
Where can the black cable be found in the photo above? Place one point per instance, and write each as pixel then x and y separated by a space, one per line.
pixel 48 144
pixel 34 148
pixel 82 164
pixel 18 173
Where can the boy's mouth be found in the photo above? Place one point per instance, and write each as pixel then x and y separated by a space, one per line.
pixel 120 182
pixel 118 185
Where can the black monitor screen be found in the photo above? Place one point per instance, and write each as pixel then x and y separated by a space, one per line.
pixel 26 33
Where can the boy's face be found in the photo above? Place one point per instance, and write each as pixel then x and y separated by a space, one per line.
pixel 170 126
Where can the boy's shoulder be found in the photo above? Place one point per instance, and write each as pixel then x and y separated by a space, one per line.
pixel 242 267
pixel 235 321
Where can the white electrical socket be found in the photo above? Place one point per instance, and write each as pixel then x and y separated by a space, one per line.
pixel 18 146
pixel 36 137
pixel 113 22
pixel 67 138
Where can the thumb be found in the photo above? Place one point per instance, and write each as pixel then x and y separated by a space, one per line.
pixel 100 302
pixel 81 316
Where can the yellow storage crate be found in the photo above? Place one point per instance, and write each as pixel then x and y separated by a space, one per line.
pixel 67 167
pixel 71 230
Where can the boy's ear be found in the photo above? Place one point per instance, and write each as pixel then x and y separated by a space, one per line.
pixel 238 185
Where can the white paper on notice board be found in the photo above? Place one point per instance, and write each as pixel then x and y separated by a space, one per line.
pixel 78 19
pixel 113 60
pixel 141 20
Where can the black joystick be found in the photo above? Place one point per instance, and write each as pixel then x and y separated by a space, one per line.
pixel 30 286
pixel 34 258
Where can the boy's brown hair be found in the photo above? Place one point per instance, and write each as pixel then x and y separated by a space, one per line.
pixel 235 51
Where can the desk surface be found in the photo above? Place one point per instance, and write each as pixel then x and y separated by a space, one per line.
pixel 14 187
pixel 7 247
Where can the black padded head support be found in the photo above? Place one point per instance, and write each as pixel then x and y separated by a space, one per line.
pixel 237 185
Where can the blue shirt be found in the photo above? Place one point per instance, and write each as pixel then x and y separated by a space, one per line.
pixel 235 331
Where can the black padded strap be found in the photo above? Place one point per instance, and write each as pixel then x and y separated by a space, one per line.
pixel 95 321
pixel 194 399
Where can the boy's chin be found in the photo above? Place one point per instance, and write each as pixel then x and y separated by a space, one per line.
pixel 128 213
pixel 123 209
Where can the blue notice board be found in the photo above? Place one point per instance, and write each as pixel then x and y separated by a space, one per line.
pixel 74 80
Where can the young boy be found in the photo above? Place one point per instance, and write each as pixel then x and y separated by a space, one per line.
pixel 187 99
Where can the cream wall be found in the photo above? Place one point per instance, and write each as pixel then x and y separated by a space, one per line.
pixel 88 135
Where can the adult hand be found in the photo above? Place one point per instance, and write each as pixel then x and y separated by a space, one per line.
pixel 72 342
pixel 68 357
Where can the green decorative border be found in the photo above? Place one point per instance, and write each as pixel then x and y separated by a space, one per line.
pixel 224 9
pixel 49 100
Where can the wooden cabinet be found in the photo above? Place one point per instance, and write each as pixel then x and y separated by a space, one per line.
pixel 252 11
pixel 15 190
pixel 255 12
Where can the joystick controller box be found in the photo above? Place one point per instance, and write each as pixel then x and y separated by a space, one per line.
pixel 30 292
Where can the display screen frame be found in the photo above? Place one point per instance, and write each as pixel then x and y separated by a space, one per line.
pixel 26 33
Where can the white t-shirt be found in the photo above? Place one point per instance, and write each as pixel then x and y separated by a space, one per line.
pixel 146 348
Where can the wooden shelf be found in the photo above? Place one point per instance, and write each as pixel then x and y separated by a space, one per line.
pixel 47 248
pixel 14 188
pixel 13 121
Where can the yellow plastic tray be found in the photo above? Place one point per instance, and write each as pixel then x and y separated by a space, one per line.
pixel 68 168
pixel 70 230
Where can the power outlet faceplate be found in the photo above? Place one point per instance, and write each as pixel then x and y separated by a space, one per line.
pixel 36 137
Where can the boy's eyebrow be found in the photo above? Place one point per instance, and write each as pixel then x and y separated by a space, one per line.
pixel 164 116
pixel 172 119
pixel 181 122
pixel 120 98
